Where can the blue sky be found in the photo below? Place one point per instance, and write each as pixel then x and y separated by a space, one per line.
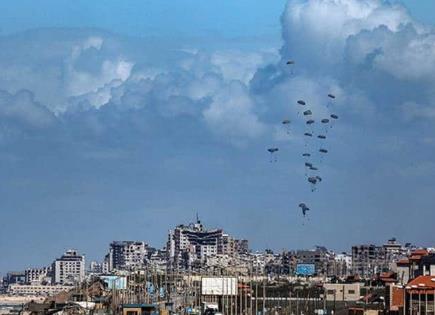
pixel 118 121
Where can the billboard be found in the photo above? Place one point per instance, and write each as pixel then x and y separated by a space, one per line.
pixel 219 286
pixel 115 282
pixel 305 269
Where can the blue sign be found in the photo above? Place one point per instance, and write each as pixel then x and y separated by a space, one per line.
pixel 115 282
pixel 305 269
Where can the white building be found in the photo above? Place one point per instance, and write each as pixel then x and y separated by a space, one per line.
pixel 38 275
pixel 37 289
pixel 69 269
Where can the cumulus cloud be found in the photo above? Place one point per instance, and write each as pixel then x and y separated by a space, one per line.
pixel 231 113
pixel 371 50
pixel 22 109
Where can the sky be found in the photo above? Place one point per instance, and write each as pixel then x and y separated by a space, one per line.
pixel 119 121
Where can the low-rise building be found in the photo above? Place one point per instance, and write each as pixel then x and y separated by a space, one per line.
pixel 37 289
pixel 347 292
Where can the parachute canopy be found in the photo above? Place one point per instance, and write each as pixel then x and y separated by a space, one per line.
pixel 290 62
pixel 285 121
pixel 334 116
pixel 331 96
pixel 308 164
pixel 323 151
pixel 308 134
pixel 272 150
pixel 312 180
pixel 321 137
pixel 301 102
pixel 310 121
pixel 308 112
pixel 306 154
pixel 304 207
pixel 325 121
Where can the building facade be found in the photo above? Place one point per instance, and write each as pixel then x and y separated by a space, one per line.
pixel 38 275
pixel 127 255
pixel 69 268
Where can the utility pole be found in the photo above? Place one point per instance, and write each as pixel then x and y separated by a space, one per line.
pixel 264 297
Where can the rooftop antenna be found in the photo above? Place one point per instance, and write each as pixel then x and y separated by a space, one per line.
pixel 197 218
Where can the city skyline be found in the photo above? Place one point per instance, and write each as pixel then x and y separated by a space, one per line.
pixel 120 121
pixel 93 257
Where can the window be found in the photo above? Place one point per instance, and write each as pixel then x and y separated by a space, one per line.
pixel 330 291
pixel 351 291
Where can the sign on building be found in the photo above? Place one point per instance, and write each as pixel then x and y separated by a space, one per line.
pixel 218 286
pixel 305 269
pixel 115 282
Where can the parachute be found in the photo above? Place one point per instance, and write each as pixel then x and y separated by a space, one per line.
pixel 312 168
pixel 301 102
pixel 286 124
pixel 308 112
pixel 273 158
pixel 319 178
pixel 321 137
pixel 304 208
pixel 308 134
pixel 323 151
pixel 325 121
pixel 290 62
pixel 306 154
pixel 307 164
pixel 310 121
pixel 334 116
pixel 331 96
pixel 312 179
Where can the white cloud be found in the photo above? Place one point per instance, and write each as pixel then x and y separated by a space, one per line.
pixel 321 27
pixel 85 81
pixel 231 113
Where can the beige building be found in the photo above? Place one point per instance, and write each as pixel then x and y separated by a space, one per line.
pixel 37 289
pixel 342 291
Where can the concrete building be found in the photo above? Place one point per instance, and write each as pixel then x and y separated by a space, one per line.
pixel 393 252
pixel 368 260
pixel 320 257
pixel 37 289
pixel 347 292
pixel 241 247
pixel 127 255
pixel 38 275
pixel 69 269
pixel 95 267
pixel 193 242
pixel 342 265
pixel 14 277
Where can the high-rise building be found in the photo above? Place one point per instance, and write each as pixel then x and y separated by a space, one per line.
pixel 190 245
pixel 394 252
pixel 241 247
pixel 127 255
pixel 320 257
pixel 368 260
pixel 69 268
pixel 196 240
